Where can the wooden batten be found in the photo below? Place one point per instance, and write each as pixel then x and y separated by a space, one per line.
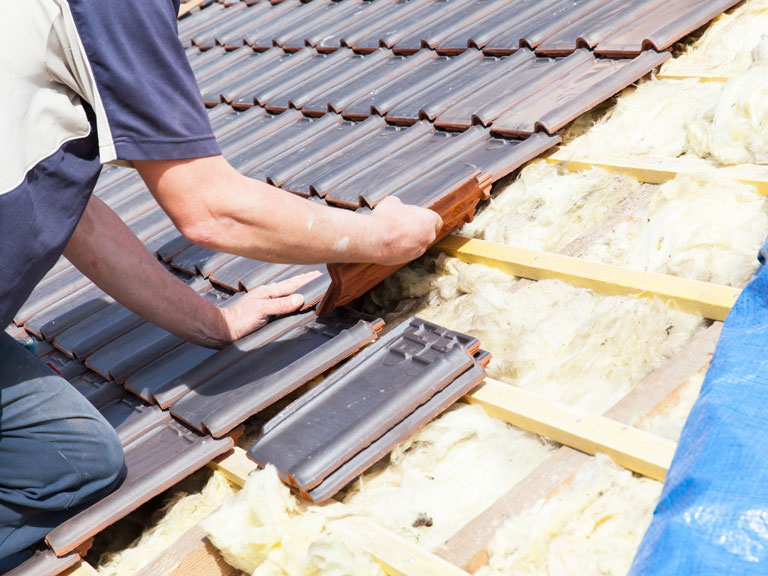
pixel 81 569
pixel 660 169
pixel 677 71
pixel 709 300
pixel 468 547
pixel 630 447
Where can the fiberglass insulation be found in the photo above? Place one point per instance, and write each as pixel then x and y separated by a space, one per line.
pixel 432 485
pixel 592 525
pixel 182 513
pixel 701 228
pixel 727 43
pixel 727 122
pixel 544 208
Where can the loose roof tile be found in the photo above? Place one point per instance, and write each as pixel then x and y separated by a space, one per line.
pixel 173 390
pixel 234 273
pixel 71 309
pixel 305 156
pixel 597 82
pixel 158 374
pixel 314 290
pixel 350 281
pixel 96 330
pixel 385 383
pixel 97 390
pixel 130 417
pixel 52 288
pixel 595 26
pixel 59 362
pixel 662 27
pixel 401 430
pixel 448 90
pixel 332 18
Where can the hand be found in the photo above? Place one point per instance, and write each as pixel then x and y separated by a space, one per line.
pixel 253 309
pixel 409 230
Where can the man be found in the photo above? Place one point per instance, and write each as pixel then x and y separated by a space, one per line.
pixel 88 82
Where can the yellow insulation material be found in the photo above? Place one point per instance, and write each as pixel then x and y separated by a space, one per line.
pixel 569 344
pixel 434 483
pixel 592 525
pixel 727 42
pixel 707 229
pixel 739 130
pixel 545 209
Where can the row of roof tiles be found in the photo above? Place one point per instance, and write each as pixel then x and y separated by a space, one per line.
pixel 615 28
pixel 515 95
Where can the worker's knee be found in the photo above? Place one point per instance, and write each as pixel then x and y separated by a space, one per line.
pixel 101 468
pixel 72 454
pixel 93 457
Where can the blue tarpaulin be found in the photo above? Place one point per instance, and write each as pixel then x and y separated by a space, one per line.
pixel 713 514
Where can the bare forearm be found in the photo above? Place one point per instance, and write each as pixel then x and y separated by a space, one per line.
pixel 259 221
pixel 217 207
pixel 106 251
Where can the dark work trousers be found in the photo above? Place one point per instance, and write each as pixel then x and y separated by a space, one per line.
pixel 57 453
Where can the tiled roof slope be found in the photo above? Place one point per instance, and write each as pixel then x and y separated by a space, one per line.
pixel 343 103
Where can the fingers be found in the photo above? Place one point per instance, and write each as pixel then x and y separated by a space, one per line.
pixel 252 312
pixel 438 222
pixel 286 287
pixel 280 306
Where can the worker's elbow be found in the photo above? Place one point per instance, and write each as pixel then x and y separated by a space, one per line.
pixel 205 232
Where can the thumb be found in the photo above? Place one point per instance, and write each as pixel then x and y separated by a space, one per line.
pixel 284 305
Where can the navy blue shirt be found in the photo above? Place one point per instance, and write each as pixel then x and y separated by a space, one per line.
pixel 82 83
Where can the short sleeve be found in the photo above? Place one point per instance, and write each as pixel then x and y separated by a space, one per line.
pixel 132 69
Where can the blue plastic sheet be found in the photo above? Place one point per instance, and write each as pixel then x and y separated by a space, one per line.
pixel 713 514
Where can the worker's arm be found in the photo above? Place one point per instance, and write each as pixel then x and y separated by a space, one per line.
pixel 106 251
pixel 215 206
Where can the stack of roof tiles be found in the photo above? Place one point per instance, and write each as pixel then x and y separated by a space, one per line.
pixel 344 102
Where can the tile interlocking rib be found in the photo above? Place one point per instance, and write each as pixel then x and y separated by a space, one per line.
pixel 315 435
pixel 136 348
pixel 60 315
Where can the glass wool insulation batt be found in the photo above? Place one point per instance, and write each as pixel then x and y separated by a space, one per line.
pixel 546 208
pixel 591 525
pixel 726 122
pixel 703 228
pixel 727 42
pixel 739 130
pixel 433 484
pixel 657 117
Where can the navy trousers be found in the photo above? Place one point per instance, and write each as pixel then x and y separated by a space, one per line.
pixel 57 453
